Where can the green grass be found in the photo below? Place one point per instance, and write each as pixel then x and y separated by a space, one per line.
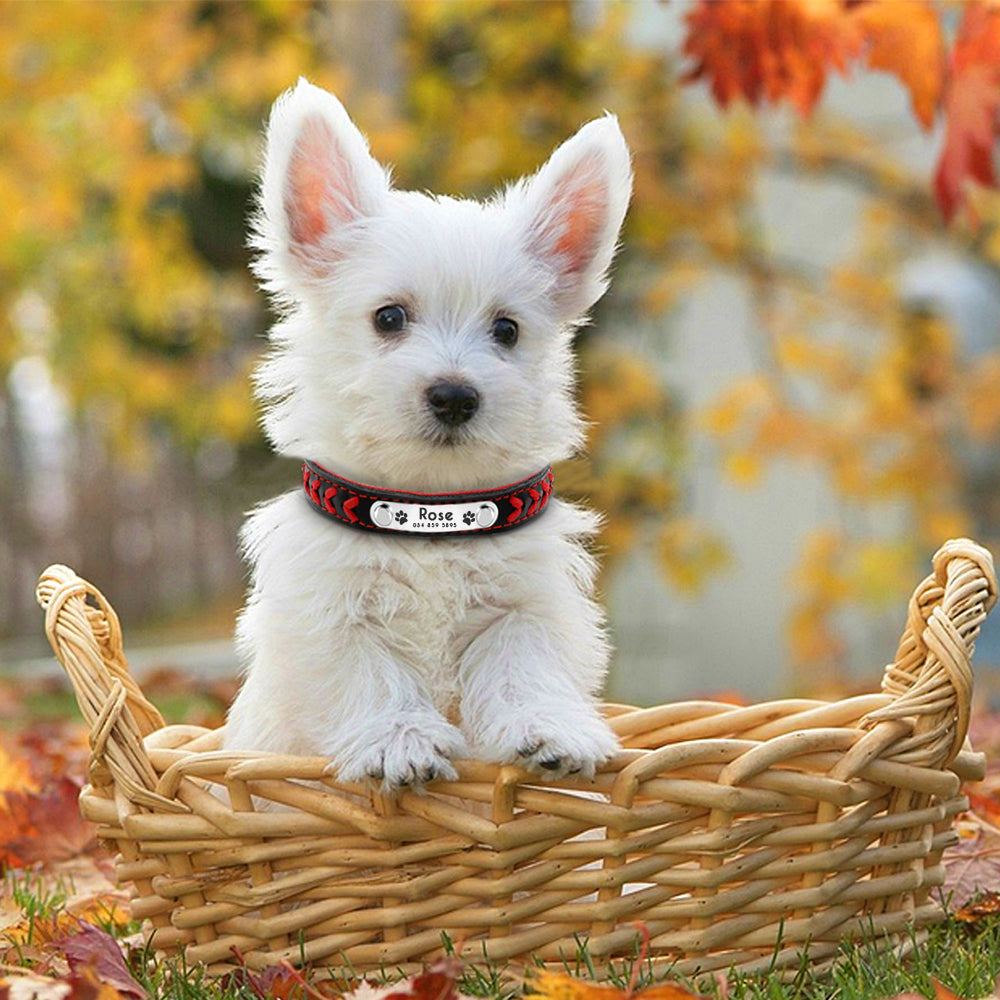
pixel 964 958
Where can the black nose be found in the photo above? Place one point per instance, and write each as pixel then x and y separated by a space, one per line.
pixel 452 402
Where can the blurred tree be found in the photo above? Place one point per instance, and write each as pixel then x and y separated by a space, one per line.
pixel 129 137
pixel 131 133
pixel 855 378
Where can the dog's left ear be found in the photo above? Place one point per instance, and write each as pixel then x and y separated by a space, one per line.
pixel 572 209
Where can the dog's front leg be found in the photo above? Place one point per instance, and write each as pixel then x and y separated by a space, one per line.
pixel 340 692
pixel 528 684
pixel 386 730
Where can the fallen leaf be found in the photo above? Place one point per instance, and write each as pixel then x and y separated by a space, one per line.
pixel 987 905
pixel 972 865
pixel 549 985
pixel 366 991
pixel 985 807
pixel 559 986
pixel 84 985
pixel 55 749
pixel 91 948
pixel 941 992
pixel 45 826
pixel 15 774
pixel 40 931
pixel 438 982
pixel 275 981
pixel 34 987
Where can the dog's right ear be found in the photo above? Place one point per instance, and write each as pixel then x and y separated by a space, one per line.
pixel 319 183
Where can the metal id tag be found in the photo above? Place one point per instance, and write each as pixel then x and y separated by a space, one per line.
pixel 440 518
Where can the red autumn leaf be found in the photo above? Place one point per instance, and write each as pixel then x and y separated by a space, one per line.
pixel 91 948
pixel 972 866
pixel 439 982
pixel 43 827
pixel 53 750
pixel 971 103
pixel 770 50
pixel 985 806
pixel 276 982
pixel 903 37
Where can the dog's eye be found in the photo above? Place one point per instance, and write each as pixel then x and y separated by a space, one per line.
pixel 504 331
pixel 390 319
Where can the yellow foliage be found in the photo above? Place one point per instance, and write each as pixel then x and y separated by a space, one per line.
pixel 689 554
pixel 107 110
pixel 742 398
pixel 619 386
pixel 980 399
pixel 743 467
pixel 883 572
pixel 817 574
pixel 15 774
pixel 938 525
pixel 110 148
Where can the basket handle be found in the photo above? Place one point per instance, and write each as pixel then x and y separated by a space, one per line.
pixel 86 638
pixel 931 677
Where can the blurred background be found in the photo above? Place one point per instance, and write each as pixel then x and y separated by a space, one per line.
pixel 794 382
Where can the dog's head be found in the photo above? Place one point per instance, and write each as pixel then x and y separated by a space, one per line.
pixel 425 341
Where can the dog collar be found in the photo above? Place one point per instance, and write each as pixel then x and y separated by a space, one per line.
pixel 374 509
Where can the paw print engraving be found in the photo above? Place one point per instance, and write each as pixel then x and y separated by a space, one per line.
pixel 402 517
pixel 468 517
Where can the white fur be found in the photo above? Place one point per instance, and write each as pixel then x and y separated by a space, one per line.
pixel 394 654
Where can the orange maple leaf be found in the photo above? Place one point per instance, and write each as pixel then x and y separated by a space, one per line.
pixel 547 985
pixel 43 827
pixel 971 103
pixel 770 50
pixel 15 774
pixel 903 37
pixel 544 984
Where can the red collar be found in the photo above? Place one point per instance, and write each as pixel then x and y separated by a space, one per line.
pixel 434 514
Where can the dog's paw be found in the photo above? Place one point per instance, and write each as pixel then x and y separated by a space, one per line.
pixel 552 746
pixel 408 755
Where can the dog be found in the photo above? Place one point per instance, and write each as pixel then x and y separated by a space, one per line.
pixel 424 345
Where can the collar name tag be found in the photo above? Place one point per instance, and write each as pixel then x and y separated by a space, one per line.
pixel 442 517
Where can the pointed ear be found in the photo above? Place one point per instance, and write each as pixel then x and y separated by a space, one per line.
pixel 573 209
pixel 319 180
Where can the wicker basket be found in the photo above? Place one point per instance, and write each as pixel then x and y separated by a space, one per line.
pixel 739 835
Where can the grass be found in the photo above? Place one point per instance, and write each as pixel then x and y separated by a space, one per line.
pixel 964 958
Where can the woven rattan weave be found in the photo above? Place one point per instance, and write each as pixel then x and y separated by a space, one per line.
pixel 738 834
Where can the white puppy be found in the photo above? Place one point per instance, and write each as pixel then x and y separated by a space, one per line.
pixel 390 653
